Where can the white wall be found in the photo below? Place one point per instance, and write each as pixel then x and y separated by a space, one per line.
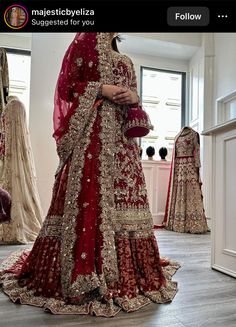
pixel 197 106
pixel 220 77
pixel 16 40
pixel 223 158
pixel 224 67
pixel 192 39
pixel 224 73
pixel 196 88
pixel 156 62
pixel 47 52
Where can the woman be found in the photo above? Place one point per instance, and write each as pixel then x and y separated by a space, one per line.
pixel 184 207
pixel 18 177
pixel 14 21
pixel 96 253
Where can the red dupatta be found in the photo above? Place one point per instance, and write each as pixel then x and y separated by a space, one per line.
pixel 79 67
pixel 86 65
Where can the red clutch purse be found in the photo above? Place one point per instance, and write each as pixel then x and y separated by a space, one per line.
pixel 137 122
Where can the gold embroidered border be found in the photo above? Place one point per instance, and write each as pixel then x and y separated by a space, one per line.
pixel 107 204
pixel 105 63
pixel 106 160
pixel 82 117
pixel 51 227
pixel 56 306
pixel 165 294
pixel 77 123
pixel 9 261
pixel 130 216
pixel 107 309
pixel 68 239
pixel 86 283
pixel 137 221
pixel 71 210
pixel 132 304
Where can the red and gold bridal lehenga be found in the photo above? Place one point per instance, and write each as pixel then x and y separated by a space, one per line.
pixel 184 206
pixel 96 252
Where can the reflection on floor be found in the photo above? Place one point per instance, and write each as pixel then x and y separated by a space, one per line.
pixel 206 298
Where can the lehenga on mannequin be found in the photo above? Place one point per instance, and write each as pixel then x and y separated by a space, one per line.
pixel 184 206
pixel 96 252
pixel 18 177
pixel 4 79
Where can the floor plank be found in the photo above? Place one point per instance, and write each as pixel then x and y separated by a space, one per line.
pixel 206 298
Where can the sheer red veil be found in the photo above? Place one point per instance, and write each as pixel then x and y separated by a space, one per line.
pixel 72 78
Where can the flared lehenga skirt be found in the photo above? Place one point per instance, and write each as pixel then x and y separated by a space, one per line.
pixel 186 213
pixel 96 252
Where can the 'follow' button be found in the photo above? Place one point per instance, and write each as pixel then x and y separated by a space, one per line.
pixel 188 16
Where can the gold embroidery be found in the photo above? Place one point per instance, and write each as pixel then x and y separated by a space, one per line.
pixel 185 144
pixel 105 64
pixel 79 62
pixel 51 227
pixel 68 235
pixel 107 205
pixel 186 187
pixel 139 222
pixel 83 255
pixel 122 69
pixel 77 123
pixel 107 308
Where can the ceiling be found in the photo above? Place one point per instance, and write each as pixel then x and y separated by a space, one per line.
pixel 168 45
pixel 180 46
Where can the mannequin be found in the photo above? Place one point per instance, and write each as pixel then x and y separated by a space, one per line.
pixel 18 177
pixel 184 207
pixel 150 151
pixel 163 153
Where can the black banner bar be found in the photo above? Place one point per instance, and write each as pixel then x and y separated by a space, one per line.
pixel 122 16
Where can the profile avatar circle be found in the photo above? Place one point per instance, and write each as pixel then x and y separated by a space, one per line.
pixel 16 16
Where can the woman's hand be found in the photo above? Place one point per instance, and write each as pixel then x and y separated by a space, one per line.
pixel 125 96
pixel 119 94
pixel 108 91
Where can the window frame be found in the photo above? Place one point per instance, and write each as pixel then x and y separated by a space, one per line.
pixel 183 90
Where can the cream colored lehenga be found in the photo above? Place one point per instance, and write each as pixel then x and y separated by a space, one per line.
pixel 18 177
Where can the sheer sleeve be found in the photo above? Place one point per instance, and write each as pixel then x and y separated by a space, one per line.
pixel 133 84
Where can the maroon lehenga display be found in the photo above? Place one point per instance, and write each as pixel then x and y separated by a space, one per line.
pixel 184 206
pixel 96 252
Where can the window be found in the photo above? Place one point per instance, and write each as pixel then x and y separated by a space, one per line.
pixel 19 62
pixel 163 98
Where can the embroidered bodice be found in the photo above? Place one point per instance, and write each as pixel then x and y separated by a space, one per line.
pixel 123 72
pixel 185 143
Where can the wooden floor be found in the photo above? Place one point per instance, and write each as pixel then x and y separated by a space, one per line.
pixel 206 298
